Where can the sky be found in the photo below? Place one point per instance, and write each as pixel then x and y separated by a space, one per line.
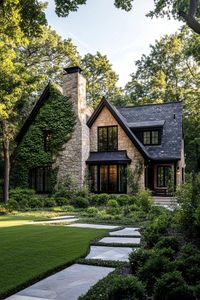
pixel 122 36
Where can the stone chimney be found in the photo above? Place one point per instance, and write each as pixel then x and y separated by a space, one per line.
pixel 76 151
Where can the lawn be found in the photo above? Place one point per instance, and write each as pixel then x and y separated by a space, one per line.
pixel 29 252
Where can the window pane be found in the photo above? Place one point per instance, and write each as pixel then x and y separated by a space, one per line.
pixel 47 180
pixel 103 178
pixel 112 138
pixel 102 132
pixel 154 137
pixel 39 180
pixel 147 137
pixel 93 180
pixel 113 179
pixel 122 179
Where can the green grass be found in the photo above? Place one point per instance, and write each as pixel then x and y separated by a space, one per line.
pixel 31 252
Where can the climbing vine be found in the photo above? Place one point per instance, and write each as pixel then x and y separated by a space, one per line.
pixel 55 116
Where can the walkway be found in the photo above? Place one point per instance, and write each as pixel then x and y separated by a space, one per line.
pixel 77 279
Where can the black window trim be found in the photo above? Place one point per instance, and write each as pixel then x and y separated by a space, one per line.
pixel 164 175
pixel 107 126
pixel 152 130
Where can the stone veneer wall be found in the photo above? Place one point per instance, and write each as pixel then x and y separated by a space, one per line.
pixel 105 118
pixel 71 160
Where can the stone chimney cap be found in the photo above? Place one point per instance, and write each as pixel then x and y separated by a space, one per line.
pixel 71 70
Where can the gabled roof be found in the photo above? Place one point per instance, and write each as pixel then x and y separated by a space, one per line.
pixel 122 122
pixel 44 96
pixel 172 133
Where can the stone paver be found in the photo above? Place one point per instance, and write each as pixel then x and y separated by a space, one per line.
pixel 55 221
pixel 128 231
pixel 95 226
pixel 63 217
pixel 109 253
pixel 121 240
pixel 68 284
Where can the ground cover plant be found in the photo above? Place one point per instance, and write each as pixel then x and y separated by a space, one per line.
pixel 30 252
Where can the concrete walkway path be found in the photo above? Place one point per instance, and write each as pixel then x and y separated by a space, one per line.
pixel 77 279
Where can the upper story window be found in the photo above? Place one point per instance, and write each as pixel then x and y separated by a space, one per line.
pixel 47 140
pixel 108 138
pixel 151 137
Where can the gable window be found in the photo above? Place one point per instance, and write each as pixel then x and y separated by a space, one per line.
pixel 151 137
pixel 40 179
pixel 47 140
pixel 108 138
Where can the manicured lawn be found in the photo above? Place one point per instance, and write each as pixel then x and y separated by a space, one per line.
pixel 28 252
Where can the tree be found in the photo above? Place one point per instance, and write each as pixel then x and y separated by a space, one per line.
pixel 171 72
pixel 14 32
pixel 101 79
pixel 187 10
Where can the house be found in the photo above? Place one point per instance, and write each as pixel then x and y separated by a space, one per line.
pixel 110 145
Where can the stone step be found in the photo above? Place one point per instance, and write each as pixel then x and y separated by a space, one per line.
pixel 120 240
pixel 95 226
pixel 109 253
pixel 55 221
pixel 127 231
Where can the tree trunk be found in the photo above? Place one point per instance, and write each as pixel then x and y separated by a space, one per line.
pixel 6 156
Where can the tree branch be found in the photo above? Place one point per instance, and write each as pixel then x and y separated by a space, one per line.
pixel 190 17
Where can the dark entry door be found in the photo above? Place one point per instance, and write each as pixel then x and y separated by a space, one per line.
pixel 108 179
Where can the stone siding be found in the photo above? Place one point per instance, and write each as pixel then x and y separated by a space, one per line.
pixel 71 160
pixel 105 118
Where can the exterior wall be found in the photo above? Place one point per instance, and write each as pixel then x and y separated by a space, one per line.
pixel 71 160
pixel 105 118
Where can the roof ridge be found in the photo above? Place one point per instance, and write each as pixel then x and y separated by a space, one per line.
pixel 149 104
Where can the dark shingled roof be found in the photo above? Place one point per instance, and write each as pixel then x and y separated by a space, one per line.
pixel 117 156
pixel 172 133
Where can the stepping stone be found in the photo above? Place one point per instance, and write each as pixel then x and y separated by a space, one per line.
pixel 63 217
pixel 121 240
pixel 54 221
pixel 109 253
pixel 95 226
pixel 128 231
pixel 68 284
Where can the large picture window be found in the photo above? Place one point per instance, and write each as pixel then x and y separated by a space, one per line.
pixel 40 179
pixel 108 138
pixel 108 178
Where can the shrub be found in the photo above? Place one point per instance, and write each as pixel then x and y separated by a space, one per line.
pixel 61 201
pixel 168 242
pixel 68 208
pixel 24 204
pixel 92 211
pixel 80 202
pixel 3 210
pixel 113 207
pixel 123 200
pixel 190 267
pixel 166 252
pixel 36 202
pixel 99 200
pixel 144 200
pixel 133 207
pixel 13 205
pixel 49 202
pixel 156 229
pixel 137 216
pixel 82 192
pixel 66 188
pixel 124 288
pixel 19 194
pixel 152 269
pixel 172 286
pixel 137 258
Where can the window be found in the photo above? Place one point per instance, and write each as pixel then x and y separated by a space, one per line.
pixel 108 138
pixel 40 179
pixel 108 178
pixel 151 137
pixel 47 140
pixel 163 176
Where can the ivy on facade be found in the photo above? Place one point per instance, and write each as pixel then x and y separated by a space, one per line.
pixel 55 116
